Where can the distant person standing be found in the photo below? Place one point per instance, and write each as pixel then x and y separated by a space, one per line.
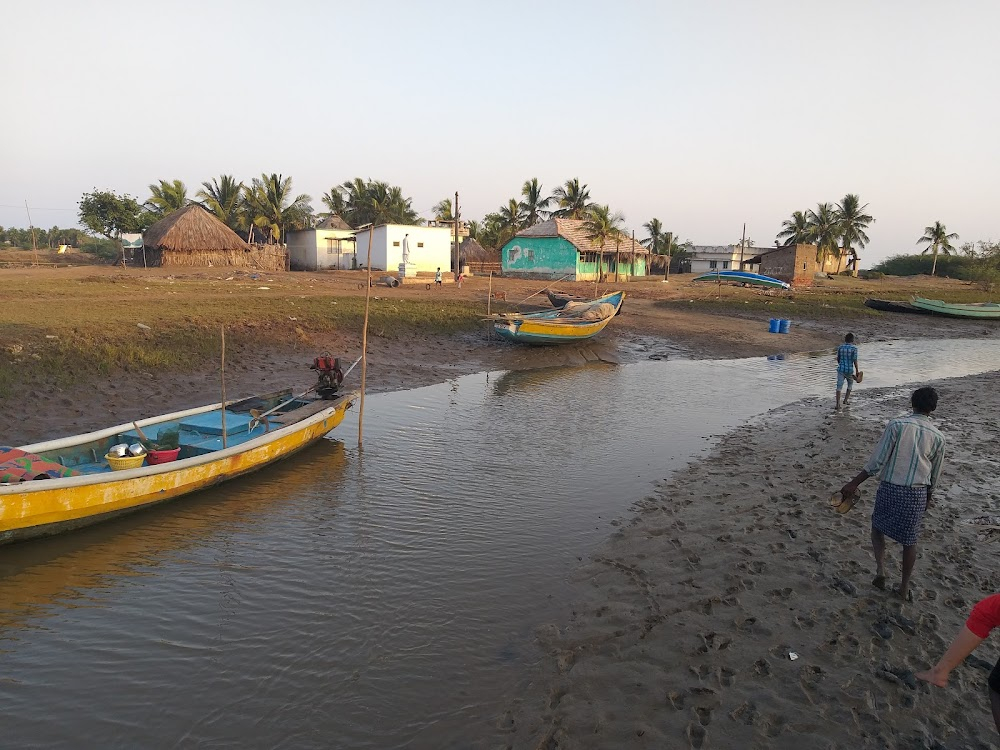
pixel 908 461
pixel 847 367
pixel 985 616
pixel 437 276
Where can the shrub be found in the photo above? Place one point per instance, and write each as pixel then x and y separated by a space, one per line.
pixel 953 266
pixel 108 250
pixel 871 275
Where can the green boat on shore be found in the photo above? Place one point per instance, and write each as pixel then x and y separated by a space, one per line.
pixel 986 310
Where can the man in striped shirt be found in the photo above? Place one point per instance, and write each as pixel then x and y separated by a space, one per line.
pixel 908 461
pixel 847 366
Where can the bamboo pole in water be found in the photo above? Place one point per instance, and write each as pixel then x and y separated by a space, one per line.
pixel 489 303
pixel 224 441
pixel 364 335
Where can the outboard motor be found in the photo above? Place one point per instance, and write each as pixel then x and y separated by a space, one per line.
pixel 329 373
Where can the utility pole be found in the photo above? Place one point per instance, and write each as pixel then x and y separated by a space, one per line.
pixel 743 240
pixel 457 269
pixel 34 245
pixel 670 242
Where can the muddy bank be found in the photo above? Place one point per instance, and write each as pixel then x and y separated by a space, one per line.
pixel 686 618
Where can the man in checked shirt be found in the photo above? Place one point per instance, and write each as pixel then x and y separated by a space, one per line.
pixel 908 461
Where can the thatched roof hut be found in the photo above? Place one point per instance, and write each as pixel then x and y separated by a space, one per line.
pixel 191 236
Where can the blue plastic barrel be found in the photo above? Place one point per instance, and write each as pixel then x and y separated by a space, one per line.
pixel 773 325
pixel 783 326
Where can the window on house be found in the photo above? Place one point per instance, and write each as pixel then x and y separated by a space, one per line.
pixel 529 254
pixel 420 244
pixel 725 264
pixel 395 244
pixel 713 264
pixel 803 266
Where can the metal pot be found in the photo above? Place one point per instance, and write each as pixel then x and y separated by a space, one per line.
pixel 136 449
pixel 120 450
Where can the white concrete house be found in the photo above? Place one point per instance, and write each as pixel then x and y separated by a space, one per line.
pixel 705 258
pixel 430 248
pixel 328 246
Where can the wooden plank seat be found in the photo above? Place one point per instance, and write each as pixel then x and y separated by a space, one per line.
pixel 289 417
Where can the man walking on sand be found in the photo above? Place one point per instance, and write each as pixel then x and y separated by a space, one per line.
pixel 985 616
pixel 847 367
pixel 908 461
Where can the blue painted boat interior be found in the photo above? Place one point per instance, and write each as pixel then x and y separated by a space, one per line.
pixel 199 434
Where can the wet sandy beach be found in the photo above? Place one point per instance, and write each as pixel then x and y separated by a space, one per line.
pixel 688 616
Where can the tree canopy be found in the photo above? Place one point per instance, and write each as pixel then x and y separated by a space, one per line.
pixel 109 214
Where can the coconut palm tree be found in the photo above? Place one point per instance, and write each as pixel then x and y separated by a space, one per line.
pixel 534 207
pixel 511 216
pixel 573 200
pixel 334 201
pixel 272 207
pixel 602 226
pixel 224 198
pixel 167 197
pixel 794 231
pixel 853 223
pixel 823 231
pixel 938 240
pixel 657 237
pixel 442 211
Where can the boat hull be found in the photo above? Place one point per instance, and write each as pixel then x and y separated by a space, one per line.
pixel 744 277
pixel 888 305
pixel 555 326
pixel 41 508
pixel 982 310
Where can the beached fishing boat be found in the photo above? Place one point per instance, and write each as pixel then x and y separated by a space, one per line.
pixel 744 277
pixel 577 321
pixel 986 310
pixel 559 299
pixel 891 305
pixel 70 482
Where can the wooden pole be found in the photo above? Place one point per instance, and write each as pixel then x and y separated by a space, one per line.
pixel 224 441
pixel 618 254
pixel 457 269
pixel 489 303
pixel 34 244
pixel 364 335
pixel 670 242
pixel 743 240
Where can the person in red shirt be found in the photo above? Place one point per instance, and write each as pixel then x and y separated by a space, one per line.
pixel 984 617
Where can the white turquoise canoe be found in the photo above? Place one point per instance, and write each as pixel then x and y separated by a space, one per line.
pixel 987 310
pixel 744 277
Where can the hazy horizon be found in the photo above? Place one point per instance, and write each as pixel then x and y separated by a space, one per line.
pixel 705 116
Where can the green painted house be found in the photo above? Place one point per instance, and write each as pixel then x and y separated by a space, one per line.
pixel 560 248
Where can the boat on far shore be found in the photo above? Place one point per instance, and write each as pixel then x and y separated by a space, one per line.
pixel 981 310
pixel 577 321
pixel 891 305
pixel 744 277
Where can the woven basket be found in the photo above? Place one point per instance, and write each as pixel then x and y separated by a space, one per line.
pixel 129 462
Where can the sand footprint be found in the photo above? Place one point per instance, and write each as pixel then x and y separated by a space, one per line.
pixel 697 735
pixel 727 677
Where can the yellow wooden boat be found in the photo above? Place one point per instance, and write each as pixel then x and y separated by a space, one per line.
pixel 95 492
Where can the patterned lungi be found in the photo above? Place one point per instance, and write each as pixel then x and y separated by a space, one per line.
pixel 899 512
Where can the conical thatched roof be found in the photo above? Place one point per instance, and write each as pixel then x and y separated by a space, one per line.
pixel 334 221
pixel 192 229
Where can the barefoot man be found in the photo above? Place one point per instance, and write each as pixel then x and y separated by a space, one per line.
pixel 984 617
pixel 847 367
pixel 908 461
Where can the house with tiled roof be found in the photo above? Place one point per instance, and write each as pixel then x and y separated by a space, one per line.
pixel 561 249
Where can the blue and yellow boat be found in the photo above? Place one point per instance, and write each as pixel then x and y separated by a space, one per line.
pixel 82 488
pixel 577 321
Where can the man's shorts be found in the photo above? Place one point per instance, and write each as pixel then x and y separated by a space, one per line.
pixel 994 680
pixel 842 376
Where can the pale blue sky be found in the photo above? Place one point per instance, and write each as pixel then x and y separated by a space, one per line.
pixel 703 114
